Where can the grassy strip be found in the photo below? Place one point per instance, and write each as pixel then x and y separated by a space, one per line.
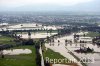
pixel 53 55
pixel 50 53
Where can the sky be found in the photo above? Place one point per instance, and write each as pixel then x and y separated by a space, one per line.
pixel 49 5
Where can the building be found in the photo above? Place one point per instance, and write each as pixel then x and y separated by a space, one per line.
pixel 85 39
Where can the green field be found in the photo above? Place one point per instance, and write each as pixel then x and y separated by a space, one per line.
pixel 6 40
pixel 20 60
pixel 93 34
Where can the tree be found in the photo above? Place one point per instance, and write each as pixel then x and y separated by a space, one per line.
pixel 47 31
pixel 21 29
pixel 58 42
pixel 70 43
pixel 50 31
pixel 29 35
pixel 1 51
pixel 53 41
pixel 66 42
pixel 2 55
pixel 48 38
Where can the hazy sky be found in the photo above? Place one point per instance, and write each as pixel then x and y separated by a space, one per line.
pixel 15 3
pixel 32 5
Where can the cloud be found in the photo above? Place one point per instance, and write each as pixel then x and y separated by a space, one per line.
pixel 17 3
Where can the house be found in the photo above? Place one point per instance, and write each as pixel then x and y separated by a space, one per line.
pixel 85 39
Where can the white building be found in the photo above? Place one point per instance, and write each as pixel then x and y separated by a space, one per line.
pixel 31 26
pixel 85 39
pixel 82 33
